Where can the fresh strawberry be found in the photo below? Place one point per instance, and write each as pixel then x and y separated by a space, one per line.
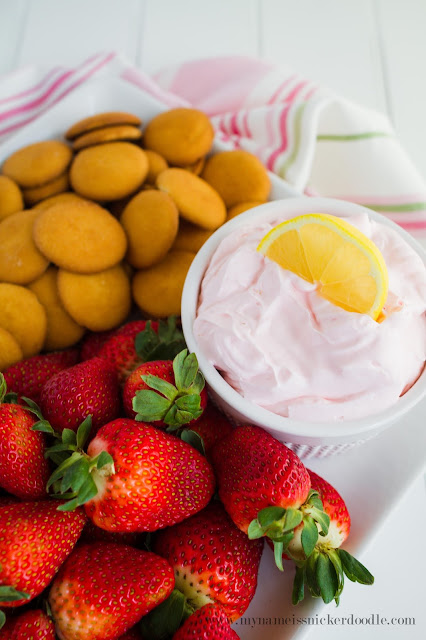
pixel 31 625
pixel 212 559
pixel 211 426
pixel 27 377
pixel 324 568
pixel 88 388
pixel 24 470
pixel 166 393
pixel 135 477
pixel 158 481
pixel 35 539
pixel 208 623
pixel 265 488
pixel 103 589
pixel 139 341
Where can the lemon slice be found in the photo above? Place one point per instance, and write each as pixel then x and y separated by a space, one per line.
pixel 346 265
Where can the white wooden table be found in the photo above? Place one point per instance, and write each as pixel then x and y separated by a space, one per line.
pixel 371 51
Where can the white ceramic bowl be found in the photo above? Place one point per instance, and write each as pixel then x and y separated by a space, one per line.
pixel 307 439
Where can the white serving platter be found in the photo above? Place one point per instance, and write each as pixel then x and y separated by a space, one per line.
pixel 373 478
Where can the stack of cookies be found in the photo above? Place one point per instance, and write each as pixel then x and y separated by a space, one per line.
pixel 117 215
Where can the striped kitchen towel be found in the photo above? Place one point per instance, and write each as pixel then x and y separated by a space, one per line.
pixel 316 140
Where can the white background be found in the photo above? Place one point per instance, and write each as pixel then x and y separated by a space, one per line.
pixel 371 51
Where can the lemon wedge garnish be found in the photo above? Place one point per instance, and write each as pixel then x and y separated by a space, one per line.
pixel 346 265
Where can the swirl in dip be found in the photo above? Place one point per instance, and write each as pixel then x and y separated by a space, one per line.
pixel 283 347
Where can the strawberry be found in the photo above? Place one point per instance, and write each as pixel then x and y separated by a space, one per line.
pixel 134 477
pixel 35 539
pixel 265 488
pixel 103 589
pixel 166 393
pixel 31 625
pixel 27 377
pixel 324 568
pixel 88 388
pixel 24 471
pixel 93 342
pixel 207 623
pixel 212 559
pixel 158 481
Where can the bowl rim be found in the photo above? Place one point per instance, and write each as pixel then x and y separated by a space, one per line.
pixel 252 412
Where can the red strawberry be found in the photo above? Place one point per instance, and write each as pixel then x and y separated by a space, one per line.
pixel 93 342
pixel 212 559
pixel 24 471
pixel 265 488
pixel 165 392
pixel 31 625
pixel 323 569
pixel 90 387
pixel 207 623
pixel 35 539
pixel 27 377
pixel 103 589
pixel 211 426
pixel 159 480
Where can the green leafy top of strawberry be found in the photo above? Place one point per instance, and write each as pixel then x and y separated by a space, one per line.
pixel 163 344
pixel 176 404
pixel 73 478
pixel 279 524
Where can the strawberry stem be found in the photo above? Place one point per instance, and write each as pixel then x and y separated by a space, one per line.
pixel 323 573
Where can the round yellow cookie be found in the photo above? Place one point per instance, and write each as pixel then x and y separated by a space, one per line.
pixel 158 290
pixel 238 176
pixel 151 221
pixel 38 163
pixel 20 260
pixel 99 120
pixel 80 236
pixel 182 136
pixel 11 199
pixel 190 237
pixel 62 330
pixel 196 200
pixel 109 171
pixel 10 351
pixel 98 301
pixel 36 194
pixel 23 316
